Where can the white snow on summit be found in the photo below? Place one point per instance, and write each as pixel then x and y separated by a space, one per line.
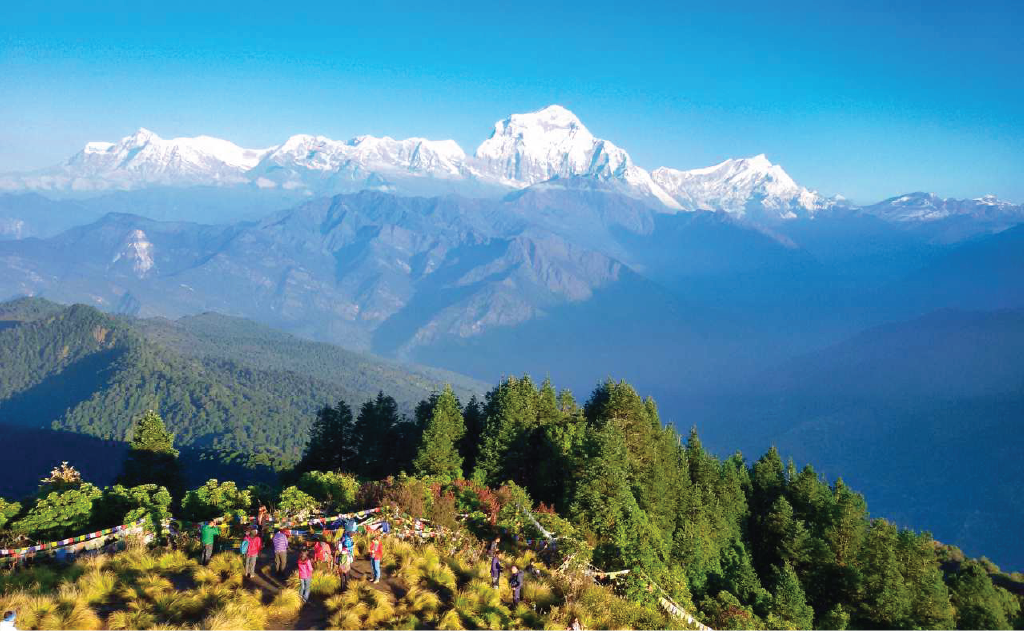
pixel 144 159
pixel 740 186
pixel 922 207
pixel 550 146
pixel 525 149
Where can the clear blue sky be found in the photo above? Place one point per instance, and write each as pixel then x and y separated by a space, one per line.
pixel 869 99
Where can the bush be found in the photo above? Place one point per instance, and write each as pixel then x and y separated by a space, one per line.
pixel 409 495
pixel 443 512
pixel 337 490
pixel 511 498
pixel 215 499
pixel 295 504
pixel 8 511
pixel 371 494
pixel 59 513
pixel 121 505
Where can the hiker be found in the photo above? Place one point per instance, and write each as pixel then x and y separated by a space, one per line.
pixel 575 626
pixel 493 548
pixel 322 553
pixel 516 582
pixel 305 575
pixel 280 542
pixel 207 533
pixel 262 520
pixel 251 546
pixel 376 554
pixel 496 570
pixel 8 621
pixel 344 559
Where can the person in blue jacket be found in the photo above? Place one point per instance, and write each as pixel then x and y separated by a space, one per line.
pixel 496 570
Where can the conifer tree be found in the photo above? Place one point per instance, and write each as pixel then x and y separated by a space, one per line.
pixel 152 458
pixel 930 600
pixel 439 453
pixel 511 412
pixel 474 418
pixel 603 502
pixel 789 609
pixel 848 523
pixel 332 444
pixel 887 601
pixel 976 600
pixel 375 434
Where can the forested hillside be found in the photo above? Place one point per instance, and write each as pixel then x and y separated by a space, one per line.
pixel 742 545
pixel 221 383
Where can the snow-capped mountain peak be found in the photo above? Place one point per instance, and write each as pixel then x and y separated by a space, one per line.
pixel 922 206
pixel 525 149
pixel 144 158
pixel 528 148
pixel 740 186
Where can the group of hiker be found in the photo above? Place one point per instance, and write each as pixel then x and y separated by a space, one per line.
pixel 338 558
pixel 515 576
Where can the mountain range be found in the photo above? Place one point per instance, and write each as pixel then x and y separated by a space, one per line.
pixel 523 150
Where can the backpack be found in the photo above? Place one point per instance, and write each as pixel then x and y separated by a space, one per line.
pixel 244 547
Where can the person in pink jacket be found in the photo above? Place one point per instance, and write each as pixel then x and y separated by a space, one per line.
pixel 253 543
pixel 305 575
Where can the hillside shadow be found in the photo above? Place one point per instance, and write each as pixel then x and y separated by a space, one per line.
pixel 30 453
pixel 51 398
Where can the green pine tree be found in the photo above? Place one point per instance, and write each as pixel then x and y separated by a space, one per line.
pixel 152 458
pixel 976 600
pixel 332 443
pixel 439 453
pixel 375 434
pixel 789 609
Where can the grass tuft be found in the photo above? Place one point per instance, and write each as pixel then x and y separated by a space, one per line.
pixel 130 619
pixel 97 585
pixel 324 583
pixel 284 609
pixel 451 620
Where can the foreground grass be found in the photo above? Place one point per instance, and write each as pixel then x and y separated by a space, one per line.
pixel 425 587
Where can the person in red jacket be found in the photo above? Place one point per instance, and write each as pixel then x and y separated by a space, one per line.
pixel 376 554
pixel 322 554
pixel 253 545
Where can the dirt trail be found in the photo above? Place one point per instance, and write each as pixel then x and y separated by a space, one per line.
pixel 314 614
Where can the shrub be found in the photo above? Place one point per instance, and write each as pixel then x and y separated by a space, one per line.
pixel 122 505
pixel 215 499
pixel 59 513
pixel 443 512
pixel 338 490
pixel 8 511
pixel 409 495
pixel 295 504
pixel 371 494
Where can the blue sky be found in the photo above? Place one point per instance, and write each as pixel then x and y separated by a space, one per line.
pixel 868 99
